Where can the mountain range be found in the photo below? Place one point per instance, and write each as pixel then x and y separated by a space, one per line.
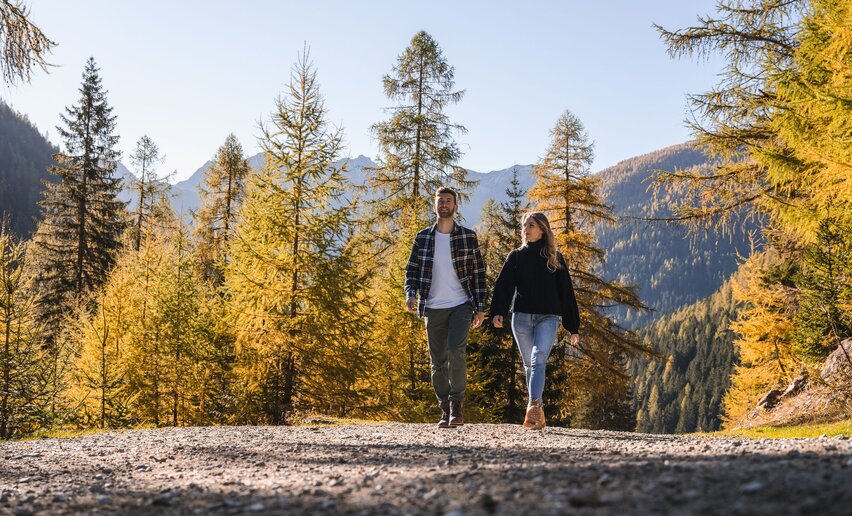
pixel 670 267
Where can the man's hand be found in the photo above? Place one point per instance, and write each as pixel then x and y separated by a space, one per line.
pixel 411 304
pixel 575 339
pixel 478 318
pixel 497 321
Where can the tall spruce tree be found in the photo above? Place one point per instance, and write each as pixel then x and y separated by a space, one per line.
pixel 294 287
pixel 593 391
pixel 221 194
pixel 77 241
pixel 148 188
pixel 494 351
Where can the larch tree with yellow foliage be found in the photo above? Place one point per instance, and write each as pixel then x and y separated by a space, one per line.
pixel 25 380
pixel 293 281
pixel 779 124
pixel 593 391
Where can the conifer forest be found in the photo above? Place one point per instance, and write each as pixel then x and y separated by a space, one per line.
pixel 281 295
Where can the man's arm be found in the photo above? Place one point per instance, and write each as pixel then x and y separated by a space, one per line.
pixel 480 291
pixel 412 275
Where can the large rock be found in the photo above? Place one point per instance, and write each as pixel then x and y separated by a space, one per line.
pixel 796 386
pixel 771 399
pixel 838 365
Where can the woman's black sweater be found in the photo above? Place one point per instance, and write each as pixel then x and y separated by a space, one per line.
pixel 535 289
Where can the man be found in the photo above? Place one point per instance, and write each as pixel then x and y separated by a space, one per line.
pixel 445 271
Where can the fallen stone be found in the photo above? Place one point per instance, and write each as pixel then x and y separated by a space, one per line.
pixel 770 400
pixel 796 386
pixel 838 365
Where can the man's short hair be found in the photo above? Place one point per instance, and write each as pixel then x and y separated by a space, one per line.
pixel 448 190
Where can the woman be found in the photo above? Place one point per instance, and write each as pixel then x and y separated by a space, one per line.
pixel 536 278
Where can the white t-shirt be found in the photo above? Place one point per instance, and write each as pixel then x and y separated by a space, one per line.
pixel 446 290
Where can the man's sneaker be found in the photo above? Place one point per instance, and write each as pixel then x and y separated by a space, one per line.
pixel 456 417
pixel 445 415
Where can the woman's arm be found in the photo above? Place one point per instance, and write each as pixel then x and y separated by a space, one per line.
pixel 570 311
pixel 504 289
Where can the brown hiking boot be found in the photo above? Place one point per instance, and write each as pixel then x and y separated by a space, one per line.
pixel 456 417
pixel 445 415
pixel 534 419
pixel 542 422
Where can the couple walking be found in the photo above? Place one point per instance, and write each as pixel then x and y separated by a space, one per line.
pixel 446 273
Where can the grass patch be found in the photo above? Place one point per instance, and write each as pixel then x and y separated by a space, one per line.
pixel 790 431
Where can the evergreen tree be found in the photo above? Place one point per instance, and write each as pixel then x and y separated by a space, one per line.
pixel 825 281
pixel 77 242
pixel 568 194
pixel 149 188
pixel 223 190
pixel 293 281
pixel 494 351
pixel 24 45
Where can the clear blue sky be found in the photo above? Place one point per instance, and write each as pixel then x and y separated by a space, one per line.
pixel 187 73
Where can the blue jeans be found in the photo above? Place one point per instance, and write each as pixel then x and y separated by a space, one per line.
pixel 536 335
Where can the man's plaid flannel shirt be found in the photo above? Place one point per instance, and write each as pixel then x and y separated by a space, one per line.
pixel 467 261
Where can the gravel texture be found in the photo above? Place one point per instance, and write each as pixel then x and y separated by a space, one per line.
pixel 418 469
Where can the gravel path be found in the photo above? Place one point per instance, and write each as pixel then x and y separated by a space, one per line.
pixel 411 469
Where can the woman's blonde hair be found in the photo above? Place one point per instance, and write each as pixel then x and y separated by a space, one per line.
pixel 549 249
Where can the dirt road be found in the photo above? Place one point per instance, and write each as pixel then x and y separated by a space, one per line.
pixel 417 469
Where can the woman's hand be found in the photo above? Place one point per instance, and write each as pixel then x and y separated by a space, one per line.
pixel 497 321
pixel 575 339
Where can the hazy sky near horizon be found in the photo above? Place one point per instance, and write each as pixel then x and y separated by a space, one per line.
pixel 188 73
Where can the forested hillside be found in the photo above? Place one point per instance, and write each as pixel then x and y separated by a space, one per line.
pixel 682 390
pixel 24 157
pixel 671 267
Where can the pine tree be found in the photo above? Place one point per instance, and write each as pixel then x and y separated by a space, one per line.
pixel 568 194
pixel 77 242
pixel 223 190
pixel 417 150
pixel 25 386
pixel 292 279
pixel 825 281
pixel 24 44
pixel 148 188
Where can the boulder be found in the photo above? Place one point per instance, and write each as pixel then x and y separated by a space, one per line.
pixel 796 386
pixel 839 363
pixel 771 399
